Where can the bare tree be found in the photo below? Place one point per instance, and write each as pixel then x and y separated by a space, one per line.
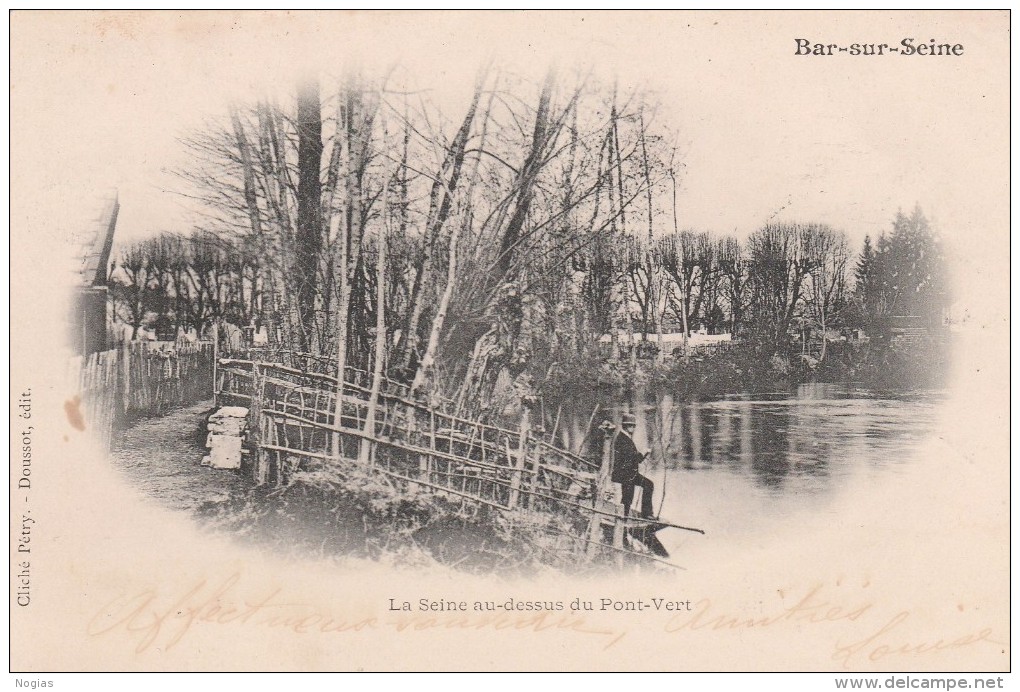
pixel 503 235
pixel 829 257
pixel 688 262
pixel 732 265
pixel 131 281
pixel 778 265
pixel 440 201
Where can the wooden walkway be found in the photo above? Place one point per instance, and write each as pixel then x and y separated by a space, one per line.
pixel 294 427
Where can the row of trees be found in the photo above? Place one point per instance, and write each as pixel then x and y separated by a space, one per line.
pixel 185 282
pixel 175 282
pixel 461 254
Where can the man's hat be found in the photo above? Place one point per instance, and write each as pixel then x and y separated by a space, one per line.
pixel 628 419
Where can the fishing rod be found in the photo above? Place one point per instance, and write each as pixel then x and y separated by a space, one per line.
pixel 678 526
pixel 662 456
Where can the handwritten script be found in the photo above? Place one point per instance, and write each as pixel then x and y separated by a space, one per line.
pixel 158 621
pixel 863 634
pixel 883 636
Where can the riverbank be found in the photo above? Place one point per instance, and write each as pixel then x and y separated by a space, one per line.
pixel 342 512
pixel 745 368
pixel 345 511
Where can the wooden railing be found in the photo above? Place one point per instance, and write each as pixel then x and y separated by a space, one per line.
pixel 311 364
pixel 294 427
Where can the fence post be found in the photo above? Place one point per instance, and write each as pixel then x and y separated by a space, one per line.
pixel 601 485
pixel 430 459
pixel 522 451
pixel 259 425
pixel 215 358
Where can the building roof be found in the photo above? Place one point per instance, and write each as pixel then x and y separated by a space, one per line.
pixel 95 242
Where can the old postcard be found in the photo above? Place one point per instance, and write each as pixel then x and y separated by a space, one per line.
pixel 476 341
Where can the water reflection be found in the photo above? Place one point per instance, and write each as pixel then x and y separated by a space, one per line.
pixel 734 462
pixel 807 436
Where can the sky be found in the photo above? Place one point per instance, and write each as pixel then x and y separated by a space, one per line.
pixel 764 134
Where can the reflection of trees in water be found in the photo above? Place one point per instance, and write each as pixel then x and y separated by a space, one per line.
pixel 813 443
pixel 689 438
pixel 770 460
pixel 732 439
pixel 690 442
pixel 768 442
pixel 666 435
pixel 788 440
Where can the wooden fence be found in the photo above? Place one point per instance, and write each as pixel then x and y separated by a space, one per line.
pixel 293 427
pixel 139 379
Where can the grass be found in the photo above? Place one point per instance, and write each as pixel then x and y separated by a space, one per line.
pixel 346 511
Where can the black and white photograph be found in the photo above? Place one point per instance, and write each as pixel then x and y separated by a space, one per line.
pixel 511 340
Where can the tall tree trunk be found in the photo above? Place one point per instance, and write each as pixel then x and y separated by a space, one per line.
pixel 440 201
pixel 424 373
pixel 504 320
pixel 357 133
pixel 822 296
pixel 632 359
pixel 341 344
pixel 428 360
pixel 278 190
pixel 526 182
pixel 336 157
pixel 683 290
pixel 274 161
pixel 653 297
pixel 359 121
pixel 309 214
pixel 332 222
pixel 616 163
pixel 270 249
pixel 615 119
pixel 825 341
pixel 368 440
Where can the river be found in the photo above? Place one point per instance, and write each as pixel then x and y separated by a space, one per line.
pixel 736 464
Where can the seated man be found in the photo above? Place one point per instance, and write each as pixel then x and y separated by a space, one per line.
pixel 625 468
